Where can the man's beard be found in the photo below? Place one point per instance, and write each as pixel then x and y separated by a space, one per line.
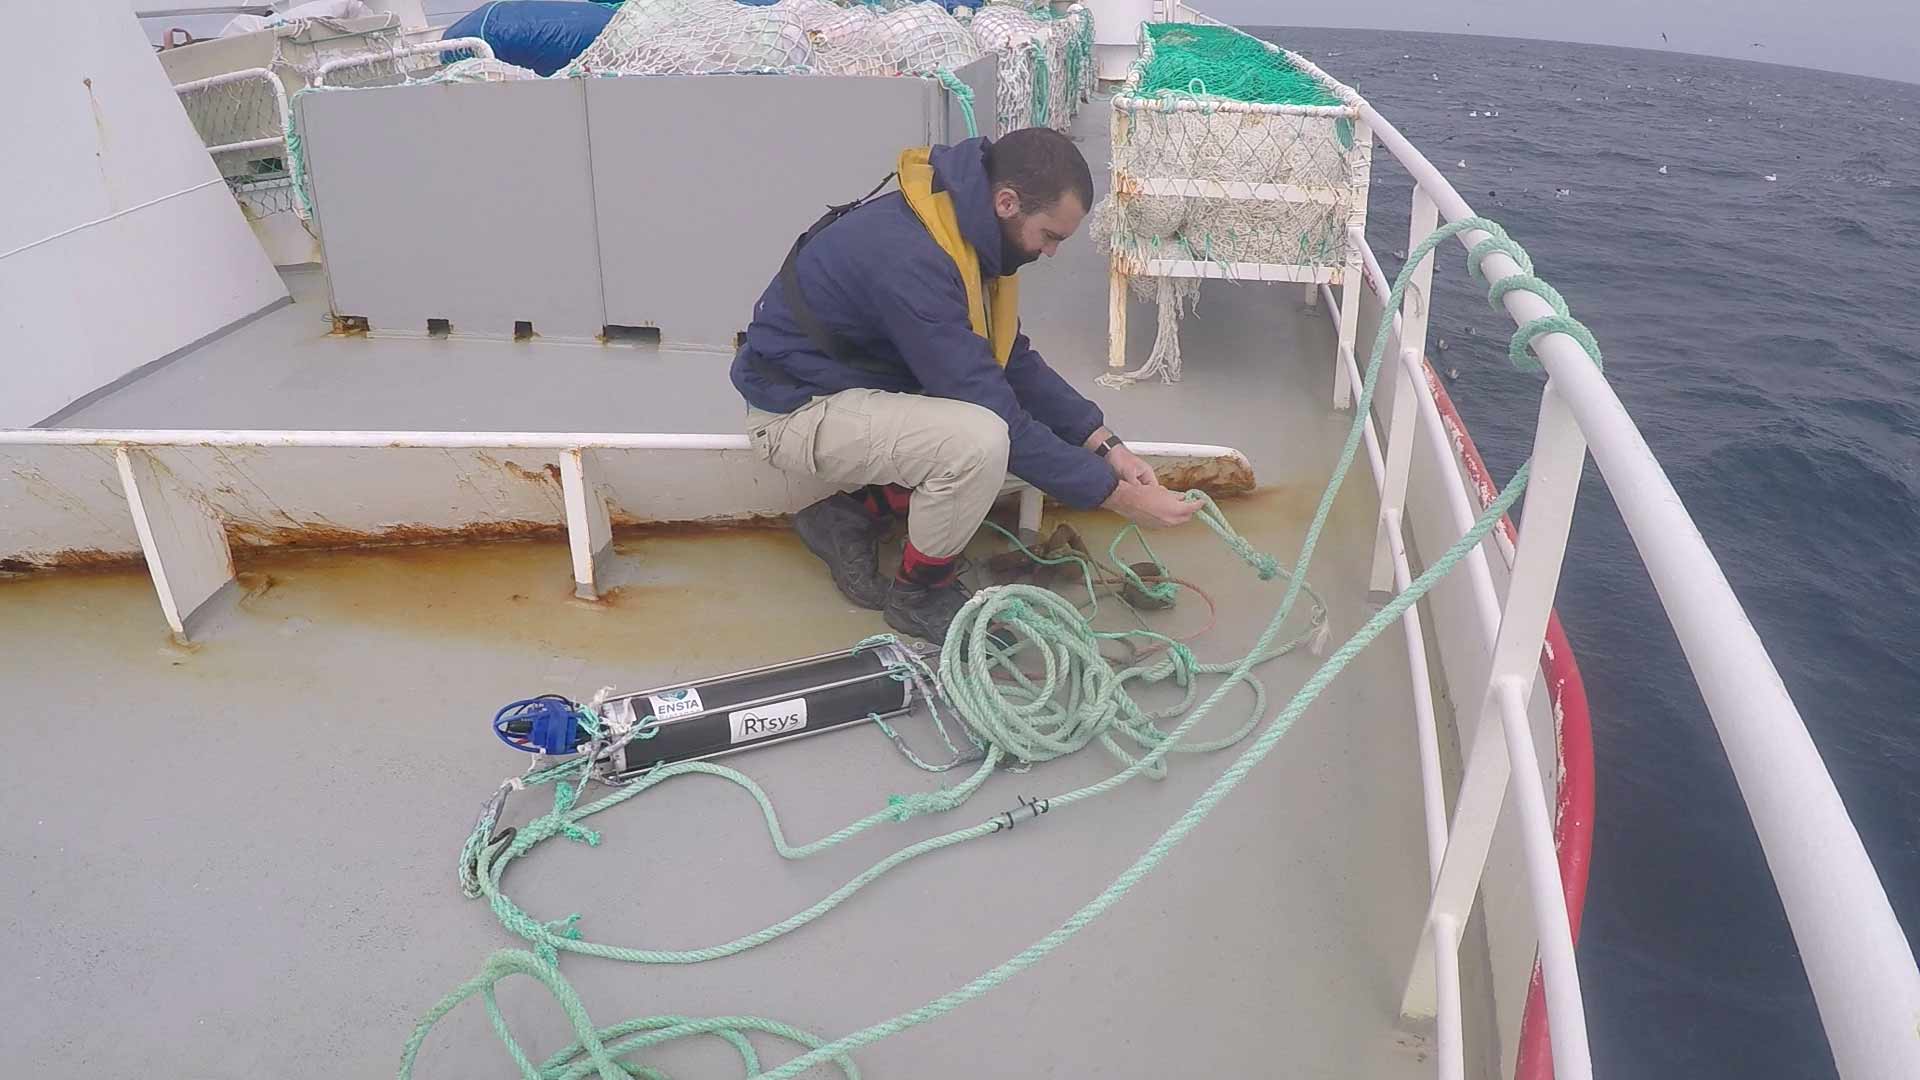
pixel 1012 255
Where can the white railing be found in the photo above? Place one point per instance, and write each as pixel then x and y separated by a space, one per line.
pixel 180 516
pixel 242 118
pixel 1858 961
pixel 374 60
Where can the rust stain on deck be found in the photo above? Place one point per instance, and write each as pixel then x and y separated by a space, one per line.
pixel 549 475
pixel 695 601
pixel 308 535
pixel 626 525
pixel 71 559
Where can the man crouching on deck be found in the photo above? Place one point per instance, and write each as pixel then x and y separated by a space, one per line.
pixel 887 357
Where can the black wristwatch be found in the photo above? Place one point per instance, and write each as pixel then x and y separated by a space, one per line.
pixel 1107 444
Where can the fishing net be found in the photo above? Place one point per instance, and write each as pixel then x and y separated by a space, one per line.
pixel 242 119
pixel 1076 26
pixel 1202 158
pixel 1019 41
pixel 1207 182
pixel 814 14
pixel 300 46
pixel 390 61
pixel 917 39
pixel 696 37
pixel 1223 62
pixel 482 69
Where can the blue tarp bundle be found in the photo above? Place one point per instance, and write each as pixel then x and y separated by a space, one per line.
pixel 543 35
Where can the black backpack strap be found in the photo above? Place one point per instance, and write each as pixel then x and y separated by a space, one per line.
pixel 828 342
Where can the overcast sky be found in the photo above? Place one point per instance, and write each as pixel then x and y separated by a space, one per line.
pixel 1867 37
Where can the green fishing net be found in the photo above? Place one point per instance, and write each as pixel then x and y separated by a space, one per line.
pixel 1219 61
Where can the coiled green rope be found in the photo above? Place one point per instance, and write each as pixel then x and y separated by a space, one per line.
pixel 1041 92
pixel 963 94
pixel 1022 716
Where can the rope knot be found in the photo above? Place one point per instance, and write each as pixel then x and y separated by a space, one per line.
pixel 913 804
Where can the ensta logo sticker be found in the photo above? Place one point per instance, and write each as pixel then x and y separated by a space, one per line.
pixel 676 703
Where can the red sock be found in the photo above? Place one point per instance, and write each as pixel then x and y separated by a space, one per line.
pixel 898 498
pixel 923 569
pixel 873 499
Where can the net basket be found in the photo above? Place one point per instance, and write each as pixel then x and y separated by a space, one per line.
pixel 1273 176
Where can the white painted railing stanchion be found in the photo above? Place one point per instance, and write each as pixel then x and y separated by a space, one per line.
pixel 589 531
pixel 1412 326
pixel 1566 1015
pixel 1559 456
pixel 1559 451
pixel 1426 728
pixel 1393 491
pixel 184 542
pixel 1351 286
pixel 1440 446
pixel 1433 784
pixel 1450 1049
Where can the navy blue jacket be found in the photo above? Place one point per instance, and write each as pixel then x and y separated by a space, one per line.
pixel 877 280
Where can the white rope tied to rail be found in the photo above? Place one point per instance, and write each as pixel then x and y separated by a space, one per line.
pixel 1170 294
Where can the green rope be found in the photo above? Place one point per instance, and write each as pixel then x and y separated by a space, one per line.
pixel 1079 49
pixel 595 1050
pixel 1229 64
pixel 961 93
pixel 297 155
pixel 1023 720
pixel 1079 700
pixel 1040 91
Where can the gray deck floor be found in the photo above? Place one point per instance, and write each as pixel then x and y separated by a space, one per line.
pixel 237 860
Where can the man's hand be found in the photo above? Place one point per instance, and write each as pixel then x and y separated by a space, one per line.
pixel 1150 504
pixel 1125 463
pixel 1130 469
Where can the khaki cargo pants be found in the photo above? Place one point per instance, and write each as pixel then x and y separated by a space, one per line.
pixel 953 454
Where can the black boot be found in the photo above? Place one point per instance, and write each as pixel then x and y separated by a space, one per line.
pixel 925 610
pixel 847 539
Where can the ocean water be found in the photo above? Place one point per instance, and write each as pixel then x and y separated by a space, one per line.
pixel 1759 309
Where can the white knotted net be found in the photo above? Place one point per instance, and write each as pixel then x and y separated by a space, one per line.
pixel 1017 39
pixel 812 14
pixel 392 61
pixel 300 46
pixel 696 37
pixel 243 121
pixel 1290 185
pixel 1045 62
pixel 917 39
pixel 485 69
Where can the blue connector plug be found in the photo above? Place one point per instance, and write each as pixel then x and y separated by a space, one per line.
pixel 549 724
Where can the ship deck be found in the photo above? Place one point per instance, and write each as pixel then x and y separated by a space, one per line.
pixel 236 858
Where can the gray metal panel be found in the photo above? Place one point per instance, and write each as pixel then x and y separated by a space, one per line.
pixel 980 77
pixel 469 202
pixel 701 183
